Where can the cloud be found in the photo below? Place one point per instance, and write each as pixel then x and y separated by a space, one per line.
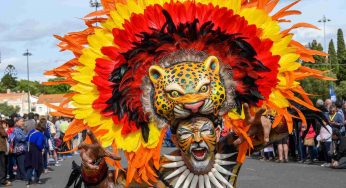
pixel 29 29
pixel 36 67
pixel 3 27
pixel 6 51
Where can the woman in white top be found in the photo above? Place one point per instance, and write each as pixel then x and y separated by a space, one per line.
pixel 325 138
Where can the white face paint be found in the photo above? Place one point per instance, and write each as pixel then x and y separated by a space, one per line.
pixel 196 140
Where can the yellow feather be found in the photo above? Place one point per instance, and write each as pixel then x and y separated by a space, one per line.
pixel 278 99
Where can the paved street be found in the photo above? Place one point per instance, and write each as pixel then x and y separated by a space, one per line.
pixel 254 174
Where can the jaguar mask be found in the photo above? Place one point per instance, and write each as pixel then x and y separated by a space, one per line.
pixel 187 88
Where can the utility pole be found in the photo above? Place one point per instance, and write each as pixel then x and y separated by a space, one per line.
pixel 27 54
pixel 96 4
pixel 324 20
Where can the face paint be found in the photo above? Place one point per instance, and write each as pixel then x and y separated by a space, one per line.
pixel 196 140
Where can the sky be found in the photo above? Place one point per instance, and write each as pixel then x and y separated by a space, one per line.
pixel 31 24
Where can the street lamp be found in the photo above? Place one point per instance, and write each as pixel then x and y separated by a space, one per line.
pixel 324 20
pixel 96 4
pixel 27 54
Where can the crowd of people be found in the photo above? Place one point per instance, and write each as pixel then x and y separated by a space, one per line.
pixel 29 144
pixel 318 144
pixel 314 143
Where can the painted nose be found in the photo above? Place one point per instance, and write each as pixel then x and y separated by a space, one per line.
pixel 194 107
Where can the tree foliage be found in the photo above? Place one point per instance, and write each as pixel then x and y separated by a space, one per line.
pixel 341 55
pixel 332 58
pixel 319 60
pixel 341 90
pixel 7 110
pixel 9 81
pixel 318 88
pixel 341 50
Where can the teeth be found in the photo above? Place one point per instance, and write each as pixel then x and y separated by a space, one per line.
pixel 188 180
pixel 224 156
pixel 194 182
pixel 182 178
pixel 201 181
pixel 221 178
pixel 220 162
pixel 174 164
pixel 222 170
pixel 176 172
pixel 214 180
pixel 207 181
pixel 173 158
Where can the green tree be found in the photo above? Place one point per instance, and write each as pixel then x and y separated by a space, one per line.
pixel 340 90
pixel 8 82
pixel 55 89
pixel 341 50
pixel 332 58
pixel 341 54
pixel 34 86
pixel 319 88
pixel 314 45
pixel 7 110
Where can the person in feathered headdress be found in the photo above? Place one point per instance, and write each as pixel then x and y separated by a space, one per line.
pixel 194 67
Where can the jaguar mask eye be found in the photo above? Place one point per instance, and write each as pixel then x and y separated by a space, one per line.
pixel 174 94
pixel 204 89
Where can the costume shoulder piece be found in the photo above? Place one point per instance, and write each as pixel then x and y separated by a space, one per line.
pixel 148 64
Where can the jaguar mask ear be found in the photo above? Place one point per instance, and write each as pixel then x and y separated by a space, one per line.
pixel 155 73
pixel 212 63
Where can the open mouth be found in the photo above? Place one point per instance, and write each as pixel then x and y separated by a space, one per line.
pixel 194 107
pixel 199 153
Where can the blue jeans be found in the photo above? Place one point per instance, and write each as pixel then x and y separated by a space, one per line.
pixel 21 173
pixel 312 151
pixel 10 164
pixel 30 172
pixel 45 159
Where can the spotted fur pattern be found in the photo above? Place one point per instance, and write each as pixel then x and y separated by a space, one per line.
pixel 184 84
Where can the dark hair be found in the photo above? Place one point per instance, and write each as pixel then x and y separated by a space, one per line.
pixel 338 104
pixel 31 115
pixel 10 122
pixel 3 122
pixel 41 125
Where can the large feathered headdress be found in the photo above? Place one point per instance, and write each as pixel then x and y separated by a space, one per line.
pixel 112 59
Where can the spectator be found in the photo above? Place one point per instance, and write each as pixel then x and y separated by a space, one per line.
pixel 30 124
pixel 33 158
pixel 37 118
pixel 19 139
pixel 3 153
pixel 64 146
pixel 51 142
pixel 325 139
pixel 339 152
pixel 338 105
pixel 327 104
pixel 10 156
pixel 335 118
pixel 309 144
pixel 282 146
pixel 268 153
